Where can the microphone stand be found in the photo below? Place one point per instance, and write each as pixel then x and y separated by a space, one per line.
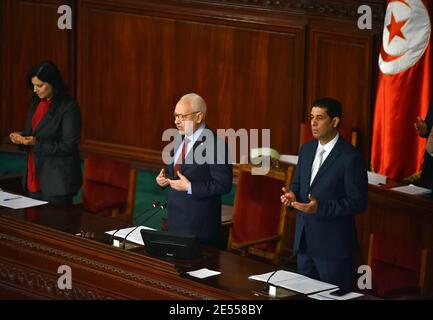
pixel 154 206
pixel 161 207
pixel 277 292
pixel 112 236
pixel 267 286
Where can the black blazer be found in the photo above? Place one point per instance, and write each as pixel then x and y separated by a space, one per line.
pixel 427 167
pixel 56 153
pixel 199 213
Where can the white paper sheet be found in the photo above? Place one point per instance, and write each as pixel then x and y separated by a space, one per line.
pixel 375 178
pixel 280 275
pixel 289 158
pixel 293 281
pixel 305 285
pixel 15 201
pixel 412 189
pixel 134 237
pixel 203 273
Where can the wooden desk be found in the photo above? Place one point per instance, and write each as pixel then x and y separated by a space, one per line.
pixel 31 252
pixel 393 213
pixel 399 215
pixel 35 242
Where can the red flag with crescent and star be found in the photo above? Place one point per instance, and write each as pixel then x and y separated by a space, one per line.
pixel 404 88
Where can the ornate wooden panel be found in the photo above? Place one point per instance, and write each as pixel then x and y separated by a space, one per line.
pixel 134 64
pixel 258 64
pixel 30 36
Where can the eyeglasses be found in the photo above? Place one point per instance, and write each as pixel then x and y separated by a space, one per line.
pixel 182 117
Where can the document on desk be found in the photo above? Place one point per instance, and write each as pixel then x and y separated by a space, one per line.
pixel 412 189
pixel 293 281
pixel 376 179
pixel 305 285
pixel 203 273
pixel 134 236
pixel 326 295
pixel 275 277
pixel 15 201
pixel 289 158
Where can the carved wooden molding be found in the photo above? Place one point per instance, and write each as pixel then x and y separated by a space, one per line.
pixel 44 284
pixel 322 7
pixel 148 282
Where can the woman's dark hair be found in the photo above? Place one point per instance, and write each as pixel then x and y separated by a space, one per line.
pixel 47 71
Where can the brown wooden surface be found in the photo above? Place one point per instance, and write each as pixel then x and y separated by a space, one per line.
pixel 392 213
pixel 333 51
pixel 31 252
pixel 258 65
pixel 398 215
pixel 35 242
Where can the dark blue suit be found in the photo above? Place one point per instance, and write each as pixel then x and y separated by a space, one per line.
pixel 199 213
pixel 427 167
pixel 326 241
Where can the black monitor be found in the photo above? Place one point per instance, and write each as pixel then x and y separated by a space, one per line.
pixel 166 244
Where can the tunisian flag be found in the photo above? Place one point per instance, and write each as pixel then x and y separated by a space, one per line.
pixel 404 88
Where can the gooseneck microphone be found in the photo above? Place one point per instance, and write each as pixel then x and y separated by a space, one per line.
pixel 112 236
pixel 155 205
pixel 162 206
pixel 267 286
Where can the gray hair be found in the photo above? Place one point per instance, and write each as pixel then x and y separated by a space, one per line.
pixel 196 102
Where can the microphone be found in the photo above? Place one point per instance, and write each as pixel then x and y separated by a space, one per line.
pixel 155 204
pixel 267 285
pixel 161 207
pixel 112 236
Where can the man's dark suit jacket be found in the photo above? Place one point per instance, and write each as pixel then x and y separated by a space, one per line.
pixel 56 153
pixel 199 213
pixel 340 188
pixel 427 168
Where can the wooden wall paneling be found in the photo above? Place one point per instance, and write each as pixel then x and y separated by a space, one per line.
pixel 121 77
pixel 33 36
pixel 143 61
pixel 4 69
pixel 340 66
pixel 134 59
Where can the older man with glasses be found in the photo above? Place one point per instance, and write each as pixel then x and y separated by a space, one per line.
pixel 194 187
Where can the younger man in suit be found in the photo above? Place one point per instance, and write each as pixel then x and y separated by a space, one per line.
pixel 328 188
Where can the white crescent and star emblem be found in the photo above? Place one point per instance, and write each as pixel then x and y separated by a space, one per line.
pixel 406 35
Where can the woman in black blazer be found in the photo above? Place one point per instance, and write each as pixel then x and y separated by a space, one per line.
pixel 51 138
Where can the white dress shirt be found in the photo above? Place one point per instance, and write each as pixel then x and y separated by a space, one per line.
pixel 327 148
